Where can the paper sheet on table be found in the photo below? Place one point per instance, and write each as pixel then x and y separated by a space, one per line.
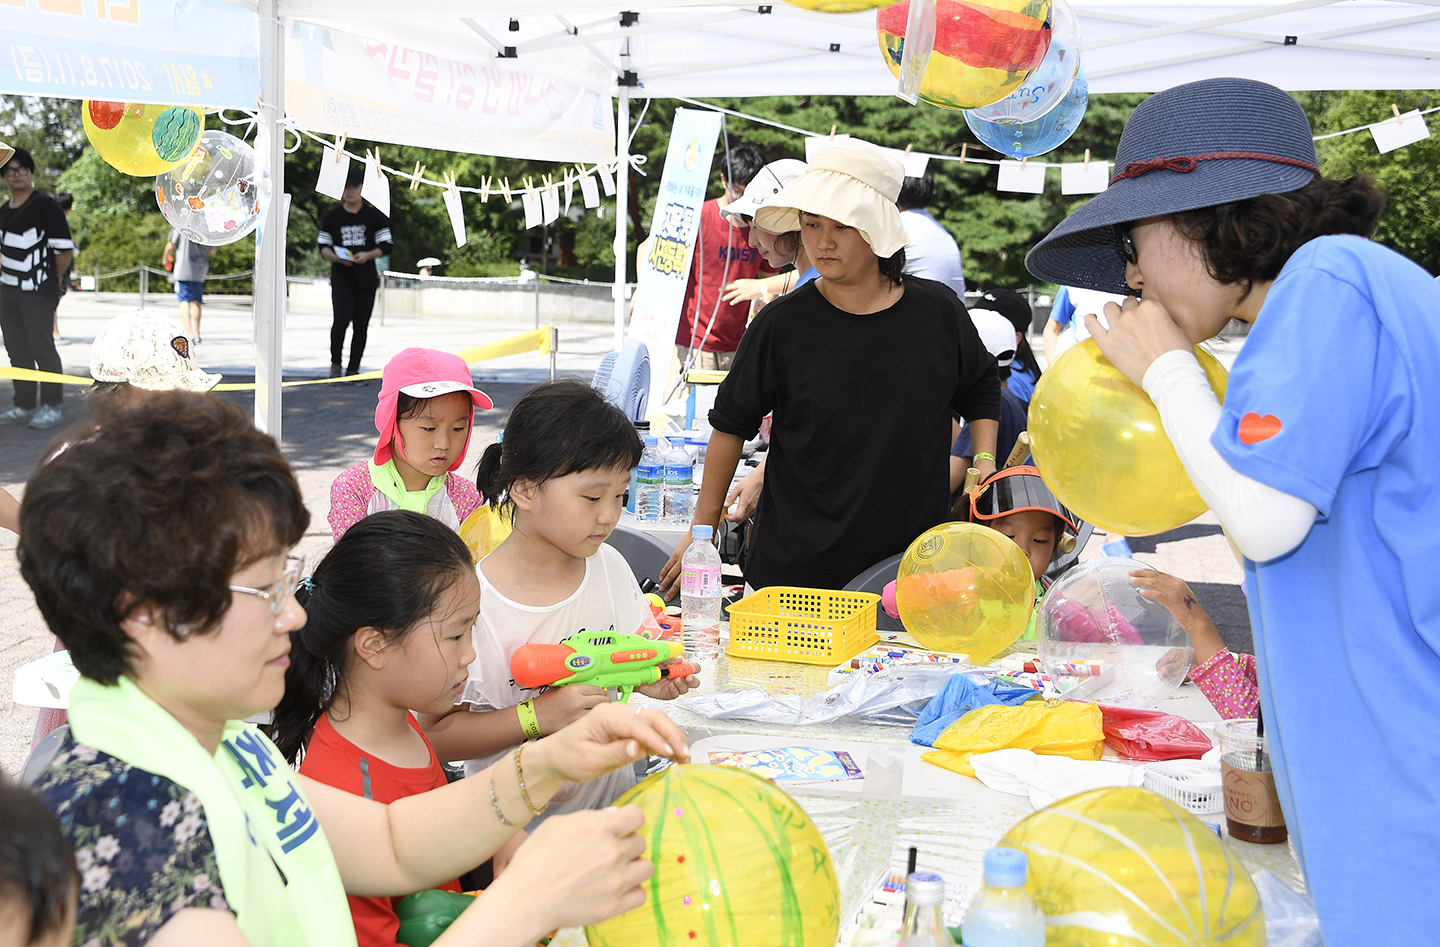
pixel 783 764
pixel 1045 779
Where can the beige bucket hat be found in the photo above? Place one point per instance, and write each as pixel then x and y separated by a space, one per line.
pixel 770 180
pixel 851 181
pixel 149 351
pixel 6 153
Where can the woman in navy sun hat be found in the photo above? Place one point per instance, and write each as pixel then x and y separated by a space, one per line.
pixel 1321 464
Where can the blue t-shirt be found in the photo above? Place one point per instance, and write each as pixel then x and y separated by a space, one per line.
pixel 1013 419
pixel 806 277
pixel 1335 398
pixel 1022 381
pixel 1063 308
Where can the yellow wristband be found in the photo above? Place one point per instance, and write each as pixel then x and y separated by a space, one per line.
pixel 529 722
pixel 985 455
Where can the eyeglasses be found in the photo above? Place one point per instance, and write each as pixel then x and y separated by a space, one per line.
pixel 1125 244
pixel 280 591
pixel 16 169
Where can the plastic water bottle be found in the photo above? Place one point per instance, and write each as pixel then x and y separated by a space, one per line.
pixel 650 483
pixel 924 924
pixel 679 485
pixel 1003 914
pixel 642 428
pixel 700 594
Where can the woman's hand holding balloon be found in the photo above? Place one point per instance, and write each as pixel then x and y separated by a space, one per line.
pixel 1139 332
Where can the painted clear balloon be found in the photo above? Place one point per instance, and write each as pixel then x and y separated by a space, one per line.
pixel 216 194
pixel 1041 136
pixel 1048 85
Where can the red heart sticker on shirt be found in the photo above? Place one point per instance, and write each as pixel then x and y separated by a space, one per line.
pixel 1255 428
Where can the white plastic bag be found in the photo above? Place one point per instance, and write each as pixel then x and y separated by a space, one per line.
pixel 1290 919
pixel 894 695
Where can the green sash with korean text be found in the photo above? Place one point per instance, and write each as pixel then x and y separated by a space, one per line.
pixel 276 867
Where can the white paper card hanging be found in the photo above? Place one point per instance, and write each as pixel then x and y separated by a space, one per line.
pixel 533 214
pixel 376 188
pixel 607 179
pixel 915 163
pixel 819 141
pixel 1029 179
pixel 333 174
pixel 1082 178
pixel 1391 134
pixel 590 190
pixel 569 193
pixel 549 205
pixel 457 215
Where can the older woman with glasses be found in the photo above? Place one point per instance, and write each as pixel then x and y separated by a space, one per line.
pixel 156 547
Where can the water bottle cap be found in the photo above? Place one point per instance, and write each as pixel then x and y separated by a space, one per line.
pixel 1005 867
pixel 925 888
pixel 642 426
pixel 702 532
pixel 651 440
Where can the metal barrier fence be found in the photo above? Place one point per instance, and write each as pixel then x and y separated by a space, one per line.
pixel 95 281
pixel 393 279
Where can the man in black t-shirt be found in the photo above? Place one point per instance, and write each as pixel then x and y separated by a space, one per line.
pixel 352 236
pixel 35 249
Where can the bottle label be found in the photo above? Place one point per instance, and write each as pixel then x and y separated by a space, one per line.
pixel 700 580
pixel 678 473
pixel 649 473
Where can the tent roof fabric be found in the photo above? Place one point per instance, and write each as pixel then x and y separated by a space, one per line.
pixel 677 47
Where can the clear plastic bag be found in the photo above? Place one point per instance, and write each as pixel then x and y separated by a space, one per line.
pixel 892 696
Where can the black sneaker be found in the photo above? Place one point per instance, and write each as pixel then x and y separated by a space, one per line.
pixel 335 371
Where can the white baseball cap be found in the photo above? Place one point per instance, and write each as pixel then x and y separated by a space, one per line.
pixel 997 334
pixel 766 183
pixel 149 351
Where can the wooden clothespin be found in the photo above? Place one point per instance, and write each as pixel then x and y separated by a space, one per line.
pixel 1396 109
pixel 548 180
pixel 1023 162
pixel 908 147
pixel 1087 159
pixel 505 189
pixel 415 178
pixel 964 147
pixel 484 189
pixel 832 131
pixel 339 147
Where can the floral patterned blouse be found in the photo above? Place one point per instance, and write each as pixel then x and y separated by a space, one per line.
pixel 142 845
pixel 1230 682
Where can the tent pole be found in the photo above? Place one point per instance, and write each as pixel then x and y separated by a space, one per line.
pixel 622 199
pixel 270 252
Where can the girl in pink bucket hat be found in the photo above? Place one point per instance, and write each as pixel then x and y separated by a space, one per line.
pixel 424 419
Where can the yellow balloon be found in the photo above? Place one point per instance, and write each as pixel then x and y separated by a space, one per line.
pixel 1099 445
pixel 738 863
pixel 1126 868
pixel 965 588
pixel 141 139
pixel 483 530
pixel 984 49
pixel 839 6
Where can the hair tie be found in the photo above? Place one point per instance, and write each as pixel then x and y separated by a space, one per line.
pixel 309 583
pixel 500 438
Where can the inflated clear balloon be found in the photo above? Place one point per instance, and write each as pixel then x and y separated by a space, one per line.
pixel 217 193
pixel 1043 135
pixel 1050 82
pixel 1099 639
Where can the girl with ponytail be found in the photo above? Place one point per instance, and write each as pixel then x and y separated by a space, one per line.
pixel 388 632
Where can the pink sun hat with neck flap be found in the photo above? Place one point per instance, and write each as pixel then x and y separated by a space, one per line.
pixel 422 373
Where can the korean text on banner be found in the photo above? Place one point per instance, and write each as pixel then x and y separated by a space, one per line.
pixel 141 51
pixel 663 272
pixel 374 90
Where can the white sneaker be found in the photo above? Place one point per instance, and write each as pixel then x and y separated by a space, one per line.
pixel 15 414
pixel 46 417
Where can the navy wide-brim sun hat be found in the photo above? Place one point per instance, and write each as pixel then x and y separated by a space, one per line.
pixel 1195 145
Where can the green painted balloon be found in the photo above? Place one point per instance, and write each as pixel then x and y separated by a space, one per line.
pixel 176 131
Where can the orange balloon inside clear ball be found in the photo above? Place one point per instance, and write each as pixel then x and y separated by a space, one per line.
pixel 965 589
pixel 984 49
pixel 1100 447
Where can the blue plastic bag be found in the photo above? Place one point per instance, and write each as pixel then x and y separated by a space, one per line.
pixel 959 696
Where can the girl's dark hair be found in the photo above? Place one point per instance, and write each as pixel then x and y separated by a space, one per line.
pixel 558 428
pixel 37 863
pixel 1248 242
pixel 161 503
pixel 1024 354
pixel 388 572
pixel 893 266
pixel 407 405
pixel 788 242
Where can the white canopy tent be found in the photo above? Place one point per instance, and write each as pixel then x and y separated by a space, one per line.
pixel 568 55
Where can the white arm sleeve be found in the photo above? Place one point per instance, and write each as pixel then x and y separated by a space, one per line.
pixel 1262 521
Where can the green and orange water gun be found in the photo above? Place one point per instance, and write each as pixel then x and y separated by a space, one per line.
pixel 601 658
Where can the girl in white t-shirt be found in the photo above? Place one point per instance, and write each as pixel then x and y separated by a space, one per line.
pixel 560 470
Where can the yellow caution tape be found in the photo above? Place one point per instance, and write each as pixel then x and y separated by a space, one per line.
pixel 537 340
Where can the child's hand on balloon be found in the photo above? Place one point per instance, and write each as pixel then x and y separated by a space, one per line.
pixel 1139 332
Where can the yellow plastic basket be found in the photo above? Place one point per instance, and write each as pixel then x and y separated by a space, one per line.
pixel 808 626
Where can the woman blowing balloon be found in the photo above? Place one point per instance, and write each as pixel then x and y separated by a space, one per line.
pixel 188 826
pixel 1320 464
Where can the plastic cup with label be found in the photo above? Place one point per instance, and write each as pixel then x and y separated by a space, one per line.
pixel 1252 807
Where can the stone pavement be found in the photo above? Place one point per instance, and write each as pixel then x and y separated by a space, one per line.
pixel 328 428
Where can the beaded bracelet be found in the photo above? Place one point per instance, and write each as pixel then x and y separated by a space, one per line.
pixel 520 777
pixel 495 804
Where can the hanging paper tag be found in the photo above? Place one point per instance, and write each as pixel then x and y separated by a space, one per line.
pixel 1078 179
pixel 376 188
pixel 1391 134
pixel 531 202
pixel 915 164
pixel 457 215
pixel 569 192
pixel 816 142
pixel 1029 179
pixel 590 190
pixel 607 179
pixel 918 44
pixel 549 205
pixel 333 174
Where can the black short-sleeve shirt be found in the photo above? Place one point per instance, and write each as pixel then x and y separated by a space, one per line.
pixel 363 230
pixel 860 441
pixel 31 236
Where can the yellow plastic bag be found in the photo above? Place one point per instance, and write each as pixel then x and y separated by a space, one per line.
pixel 483 530
pixel 1051 728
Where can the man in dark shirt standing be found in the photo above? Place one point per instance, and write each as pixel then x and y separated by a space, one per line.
pixel 35 249
pixel 352 236
pixel 710 329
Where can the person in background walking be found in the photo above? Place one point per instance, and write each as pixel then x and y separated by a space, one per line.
pixel 352 236
pixel 931 253
pixel 190 264
pixel 36 250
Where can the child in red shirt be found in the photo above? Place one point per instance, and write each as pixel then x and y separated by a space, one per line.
pixel 388 632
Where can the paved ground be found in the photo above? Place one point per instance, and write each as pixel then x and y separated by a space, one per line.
pixel 330 427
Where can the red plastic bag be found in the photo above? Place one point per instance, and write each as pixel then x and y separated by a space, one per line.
pixel 1150 735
